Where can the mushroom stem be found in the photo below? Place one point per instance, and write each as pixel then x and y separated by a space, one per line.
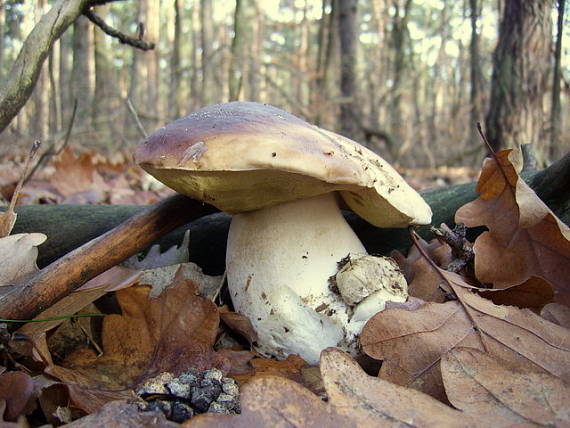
pixel 291 250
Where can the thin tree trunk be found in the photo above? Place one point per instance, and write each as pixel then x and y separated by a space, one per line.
pixel 236 57
pixel 102 100
pixel 348 33
pixel 81 89
pixel 555 118
pixel 255 58
pixel 475 63
pixel 175 93
pixel 206 22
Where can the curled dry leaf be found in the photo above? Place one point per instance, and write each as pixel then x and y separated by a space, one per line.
pixel 355 399
pixel 18 254
pixel 525 238
pixel 488 389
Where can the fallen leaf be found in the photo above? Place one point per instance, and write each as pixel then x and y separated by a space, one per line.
pixel 355 399
pixel 76 178
pixel 16 390
pixel 172 332
pixel 412 343
pixel 366 398
pixel 125 415
pixel 533 293
pixel 113 279
pixel 18 254
pixel 525 238
pixel 487 388
pixel 240 324
pixel 557 313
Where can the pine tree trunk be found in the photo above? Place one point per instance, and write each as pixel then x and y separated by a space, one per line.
pixel 348 34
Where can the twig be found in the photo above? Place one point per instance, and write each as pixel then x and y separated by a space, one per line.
pixel 50 152
pixel 9 218
pixel 123 38
pixel 140 126
pixel 68 273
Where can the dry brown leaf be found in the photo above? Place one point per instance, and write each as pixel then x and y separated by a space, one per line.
pixel 412 343
pixel 113 279
pixel 18 254
pixel 77 179
pixel 15 389
pixel 557 313
pixel 172 333
pixel 355 399
pixel 533 293
pixel 366 398
pixel 486 388
pixel 124 415
pixel 525 238
pixel 240 324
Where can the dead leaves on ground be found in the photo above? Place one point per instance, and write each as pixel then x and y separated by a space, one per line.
pixel 468 349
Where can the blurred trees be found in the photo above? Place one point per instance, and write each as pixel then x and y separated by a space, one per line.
pixel 408 78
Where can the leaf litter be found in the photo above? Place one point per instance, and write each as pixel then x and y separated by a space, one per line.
pixel 465 349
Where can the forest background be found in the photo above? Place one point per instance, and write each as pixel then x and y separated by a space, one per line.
pixel 409 79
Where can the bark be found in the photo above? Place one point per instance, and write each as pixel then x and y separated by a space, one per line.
pixel 520 70
pixel 206 22
pixel 556 117
pixel 2 19
pixel 152 58
pixel 255 58
pixel 17 88
pixel 175 93
pixel 475 64
pixel 208 235
pixel 399 32
pixel 348 33
pixel 81 88
pixel 237 52
pixel 68 273
pixel 102 107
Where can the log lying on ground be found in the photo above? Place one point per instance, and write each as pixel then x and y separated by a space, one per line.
pixel 68 227
pixel 25 300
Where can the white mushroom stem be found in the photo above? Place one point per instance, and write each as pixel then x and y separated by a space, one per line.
pixel 279 261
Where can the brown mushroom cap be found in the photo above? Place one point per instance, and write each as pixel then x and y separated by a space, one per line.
pixel 243 156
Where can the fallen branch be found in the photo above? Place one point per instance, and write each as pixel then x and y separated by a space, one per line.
pixel 24 301
pixel 208 234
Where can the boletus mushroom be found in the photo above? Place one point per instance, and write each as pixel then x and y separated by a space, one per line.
pixel 285 182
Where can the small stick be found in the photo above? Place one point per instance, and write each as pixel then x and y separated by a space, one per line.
pixel 140 126
pixel 68 273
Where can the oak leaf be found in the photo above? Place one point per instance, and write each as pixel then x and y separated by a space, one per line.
pixel 488 388
pixel 172 332
pixel 18 254
pixel 525 238
pixel 354 399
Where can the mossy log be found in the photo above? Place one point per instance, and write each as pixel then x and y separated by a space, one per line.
pixel 69 226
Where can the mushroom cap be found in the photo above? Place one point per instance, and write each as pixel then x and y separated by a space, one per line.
pixel 242 156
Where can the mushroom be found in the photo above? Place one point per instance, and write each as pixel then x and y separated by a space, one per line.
pixel 285 181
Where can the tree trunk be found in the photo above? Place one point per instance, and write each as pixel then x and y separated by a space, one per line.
pixel 520 69
pixel 102 108
pixel 206 22
pixel 399 32
pixel 475 64
pixel 18 87
pixel 237 52
pixel 175 93
pixel 208 235
pixel 348 34
pixel 555 118
pixel 81 88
